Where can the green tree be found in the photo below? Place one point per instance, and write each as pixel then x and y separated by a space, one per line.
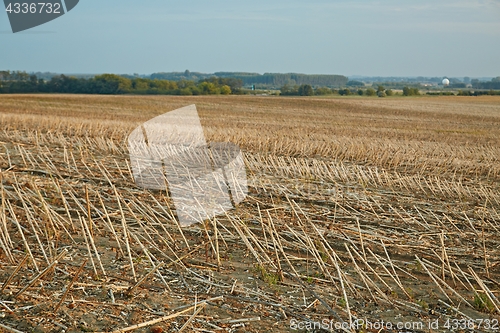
pixel 344 92
pixel 287 90
pixel 225 90
pixel 186 91
pixel 370 92
pixel 234 84
pixel 112 84
pixel 163 86
pixel 185 84
pixel 354 83
pixel 407 91
pixel 323 91
pixel 208 88
pixel 306 90
pixel 140 84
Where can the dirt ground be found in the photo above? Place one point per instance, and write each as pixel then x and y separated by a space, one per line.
pixel 381 210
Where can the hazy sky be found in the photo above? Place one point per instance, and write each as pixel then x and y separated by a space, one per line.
pixel 350 37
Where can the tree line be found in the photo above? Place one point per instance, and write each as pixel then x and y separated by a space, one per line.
pixel 20 82
pixel 380 91
pixel 493 84
pixel 264 81
pixel 278 80
pixel 308 90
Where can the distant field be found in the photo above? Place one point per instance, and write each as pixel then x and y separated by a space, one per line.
pixel 358 208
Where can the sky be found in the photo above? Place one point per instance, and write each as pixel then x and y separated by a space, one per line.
pixel 452 38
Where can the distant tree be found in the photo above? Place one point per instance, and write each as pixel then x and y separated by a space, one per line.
pixel 20 76
pixel 162 86
pixel 196 90
pixel 185 84
pixel 5 75
pixel 380 88
pixel 407 91
pixel 234 84
pixel 66 84
pixel 288 90
pixel 285 89
pixel 464 93
pixel 370 92
pixel 389 92
pixel 186 91
pixel 140 84
pixel 354 83
pixel 491 85
pixel 381 94
pixel 207 88
pixel 112 84
pixel 360 92
pixel 344 92
pixel 306 90
pixel 323 91
pixel 225 90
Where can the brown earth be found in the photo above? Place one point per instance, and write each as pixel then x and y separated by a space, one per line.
pixel 358 208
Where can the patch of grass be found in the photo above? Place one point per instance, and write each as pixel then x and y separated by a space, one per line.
pixel 271 279
pixel 483 303
pixel 341 302
pixel 423 304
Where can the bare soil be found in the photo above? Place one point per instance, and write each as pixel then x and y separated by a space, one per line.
pixel 385 210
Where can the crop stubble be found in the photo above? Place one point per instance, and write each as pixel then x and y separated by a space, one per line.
pixel 385 209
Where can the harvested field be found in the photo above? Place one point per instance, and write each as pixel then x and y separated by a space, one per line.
pixel 383 210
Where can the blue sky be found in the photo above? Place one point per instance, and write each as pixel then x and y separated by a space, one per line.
pixel 355 37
